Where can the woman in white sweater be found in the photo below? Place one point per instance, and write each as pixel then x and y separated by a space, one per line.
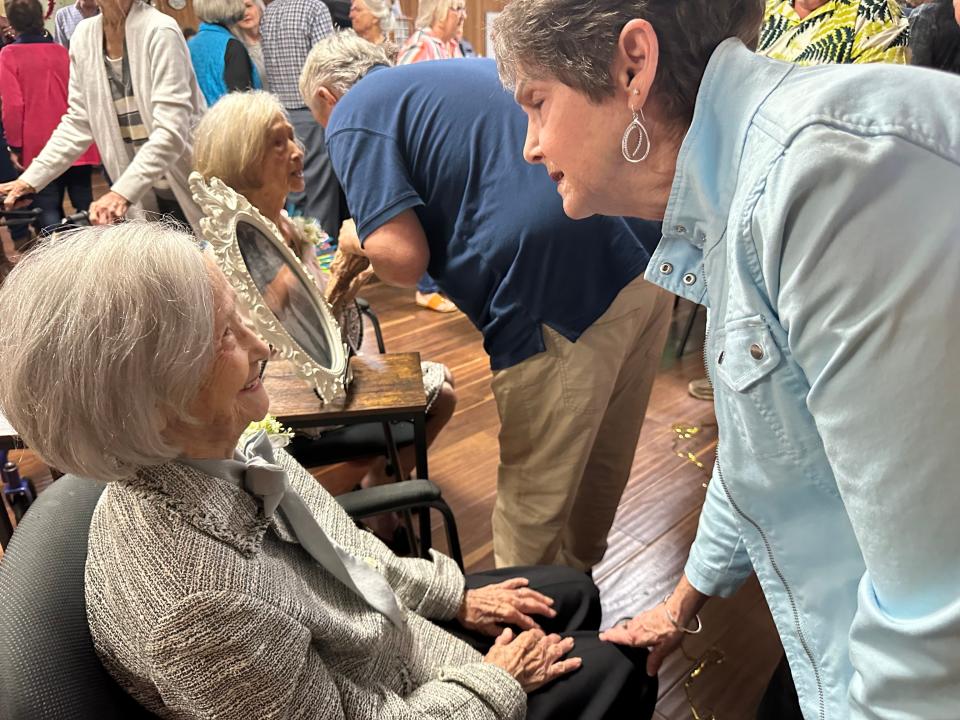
pixel 133 93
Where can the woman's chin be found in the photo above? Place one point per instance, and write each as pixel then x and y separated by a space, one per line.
pixel 297 185
pixel 575 210
pixel 256 403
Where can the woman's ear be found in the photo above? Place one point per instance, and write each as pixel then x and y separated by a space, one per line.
pixel 635 62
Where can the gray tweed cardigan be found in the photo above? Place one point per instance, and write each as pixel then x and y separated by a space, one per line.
pixel 201 607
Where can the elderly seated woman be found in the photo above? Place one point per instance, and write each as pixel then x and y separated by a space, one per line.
pixel 264 164
pixel 221 579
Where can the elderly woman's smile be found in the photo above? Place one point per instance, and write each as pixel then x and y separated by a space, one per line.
pixel 231 395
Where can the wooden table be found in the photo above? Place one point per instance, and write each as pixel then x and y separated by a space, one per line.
pixel 385 388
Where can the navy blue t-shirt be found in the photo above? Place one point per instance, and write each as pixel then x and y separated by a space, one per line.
pixel 445 139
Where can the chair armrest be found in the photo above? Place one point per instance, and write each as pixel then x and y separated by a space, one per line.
pixel 393 497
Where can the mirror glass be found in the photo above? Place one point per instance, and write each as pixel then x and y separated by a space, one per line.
pixel 284 292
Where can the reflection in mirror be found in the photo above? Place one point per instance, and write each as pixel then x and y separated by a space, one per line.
pixel 284 292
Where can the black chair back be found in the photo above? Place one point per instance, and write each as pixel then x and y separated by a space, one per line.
pixel 48 667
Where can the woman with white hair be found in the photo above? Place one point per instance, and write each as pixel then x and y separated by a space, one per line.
pixel 133 93
pixel 264 164
pixel 219 59
pixel 221 579
pixel 372 20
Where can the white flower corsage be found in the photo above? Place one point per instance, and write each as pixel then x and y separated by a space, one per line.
pixel 279 436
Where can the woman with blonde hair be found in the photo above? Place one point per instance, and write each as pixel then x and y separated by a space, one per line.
pixel 264 164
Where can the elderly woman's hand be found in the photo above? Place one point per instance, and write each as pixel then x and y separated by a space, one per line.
pixel 488 609
pixel 349 240
pixel 532 658
pixel 108 209
pixel 14 191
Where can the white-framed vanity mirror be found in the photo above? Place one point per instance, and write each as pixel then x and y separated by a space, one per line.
pixel 281 297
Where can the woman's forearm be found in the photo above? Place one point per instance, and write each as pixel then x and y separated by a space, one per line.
pixel 685 602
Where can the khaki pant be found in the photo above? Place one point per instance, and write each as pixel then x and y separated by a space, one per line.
pixel 570 420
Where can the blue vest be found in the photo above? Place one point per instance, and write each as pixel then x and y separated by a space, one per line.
pixel 208 48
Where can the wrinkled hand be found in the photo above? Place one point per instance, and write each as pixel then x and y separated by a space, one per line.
pixel 349 240
pixel 532 658
pixel 488 609
pixel 348 274
pixel 109 209
pixel 15 190
pixel 650 629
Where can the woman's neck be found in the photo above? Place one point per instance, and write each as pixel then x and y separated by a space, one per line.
pixel 647 188
pixel 115 13
pixel 437 31
pixel 805 7
pixel 252 35
pixel 114 25
pixel 374 35
pixel 269 202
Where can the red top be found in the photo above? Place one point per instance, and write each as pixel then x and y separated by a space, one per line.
pixel 33 88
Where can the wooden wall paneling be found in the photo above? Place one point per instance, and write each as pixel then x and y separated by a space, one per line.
pixel 185 18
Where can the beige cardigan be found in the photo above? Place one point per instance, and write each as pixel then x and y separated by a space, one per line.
pixel 203 608
pixel 168 98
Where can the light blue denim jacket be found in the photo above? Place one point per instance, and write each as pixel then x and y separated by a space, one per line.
pixel 816 212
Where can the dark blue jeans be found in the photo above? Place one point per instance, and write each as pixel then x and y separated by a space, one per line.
pixel 75 181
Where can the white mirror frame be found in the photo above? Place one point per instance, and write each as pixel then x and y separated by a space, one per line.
pixel 223 208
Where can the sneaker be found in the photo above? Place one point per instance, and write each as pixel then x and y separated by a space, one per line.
pixel 701 389
pixel 436 302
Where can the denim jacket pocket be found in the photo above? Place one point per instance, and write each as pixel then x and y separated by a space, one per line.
pixel 749 353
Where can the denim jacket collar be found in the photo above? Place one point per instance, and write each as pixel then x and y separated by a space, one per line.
pixel 708 164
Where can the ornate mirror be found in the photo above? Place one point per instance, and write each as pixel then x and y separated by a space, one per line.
pixel 282 298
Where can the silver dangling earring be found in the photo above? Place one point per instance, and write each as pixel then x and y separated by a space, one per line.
pixel 643 139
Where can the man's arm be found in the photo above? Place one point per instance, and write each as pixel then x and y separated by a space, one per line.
pixel 397 250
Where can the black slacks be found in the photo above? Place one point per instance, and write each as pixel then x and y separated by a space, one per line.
pixel 780 701
pixel 612 684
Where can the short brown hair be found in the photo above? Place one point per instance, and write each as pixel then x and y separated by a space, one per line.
pixel 25 16
pixel 575 41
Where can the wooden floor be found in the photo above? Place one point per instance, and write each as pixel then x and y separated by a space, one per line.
pixel 654 527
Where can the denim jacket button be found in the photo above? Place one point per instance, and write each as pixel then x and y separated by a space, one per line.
pixel 681 229
pixel 666 268
pixel 689 279
pixel 756 351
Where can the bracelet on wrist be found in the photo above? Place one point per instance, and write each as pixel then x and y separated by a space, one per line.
pixel 678 626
